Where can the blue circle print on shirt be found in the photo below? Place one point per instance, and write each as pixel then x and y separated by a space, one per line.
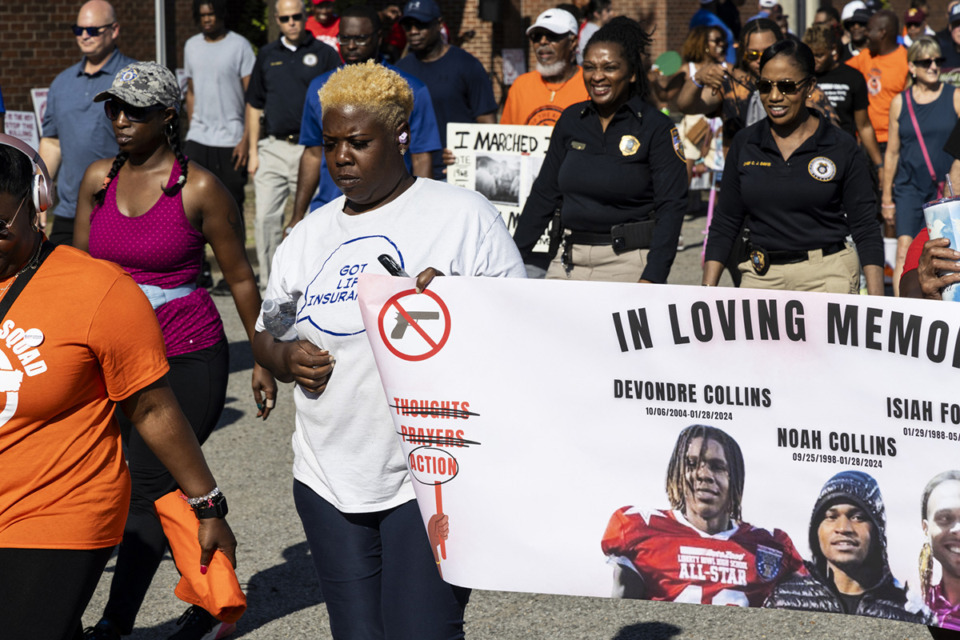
pixel 330 300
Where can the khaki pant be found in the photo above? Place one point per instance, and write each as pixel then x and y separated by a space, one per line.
pixel 275 180
pixel 600 263
pixel 837 273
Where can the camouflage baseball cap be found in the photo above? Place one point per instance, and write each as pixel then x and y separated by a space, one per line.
pixel 144 84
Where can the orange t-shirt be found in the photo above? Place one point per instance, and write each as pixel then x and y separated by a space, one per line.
pixel 886 76
pixel 535 102
pixel 80 337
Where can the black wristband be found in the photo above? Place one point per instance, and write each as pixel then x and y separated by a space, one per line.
pixel 215 507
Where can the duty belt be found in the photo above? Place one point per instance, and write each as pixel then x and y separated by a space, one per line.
pixel 790 257
pixel 622 237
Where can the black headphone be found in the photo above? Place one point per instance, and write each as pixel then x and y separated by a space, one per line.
pixel 40 189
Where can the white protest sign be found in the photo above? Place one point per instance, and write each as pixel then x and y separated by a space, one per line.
pixel 22 125
pixel 552 410
pixel 39 98
pixel 501 162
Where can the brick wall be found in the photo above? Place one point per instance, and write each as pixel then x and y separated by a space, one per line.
pixel 36 45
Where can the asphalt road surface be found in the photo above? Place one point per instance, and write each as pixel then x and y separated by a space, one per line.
pixel 252 461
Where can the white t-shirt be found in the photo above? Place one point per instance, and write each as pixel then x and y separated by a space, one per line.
pixel 217 69
pixel 345 445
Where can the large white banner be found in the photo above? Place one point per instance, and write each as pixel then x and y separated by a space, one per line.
pixel 541 418
pixel 501 162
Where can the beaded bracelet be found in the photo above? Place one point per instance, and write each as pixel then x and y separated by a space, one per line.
pixel 195 502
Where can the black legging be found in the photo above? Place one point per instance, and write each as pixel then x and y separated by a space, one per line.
pixel 43 592
pixel 199 382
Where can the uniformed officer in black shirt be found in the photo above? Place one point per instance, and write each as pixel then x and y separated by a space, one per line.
pixel 615 169
pixel 801 185
pixel 278 87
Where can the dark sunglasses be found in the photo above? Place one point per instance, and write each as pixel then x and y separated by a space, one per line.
pixel 92 32
pixel 928 62
pixel 297 17
pixel 786 87
pixel 134 114
pixel 752 54
pixel 536 36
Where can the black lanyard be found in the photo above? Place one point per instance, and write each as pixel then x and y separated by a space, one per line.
pixel 24 277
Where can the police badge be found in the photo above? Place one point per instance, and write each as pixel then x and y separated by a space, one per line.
pixel 759 260
pixel 629 145
pixel 768 562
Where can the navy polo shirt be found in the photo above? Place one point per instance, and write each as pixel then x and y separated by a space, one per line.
pixel 280 79
pixel 85 133
pixel 812 200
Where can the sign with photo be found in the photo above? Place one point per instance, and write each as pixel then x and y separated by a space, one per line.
pixel 681 444
pixel 501 162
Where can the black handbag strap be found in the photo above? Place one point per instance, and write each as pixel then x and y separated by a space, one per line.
pixel 23 278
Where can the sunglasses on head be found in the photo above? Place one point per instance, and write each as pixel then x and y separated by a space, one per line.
pixel 786 87
pixel 92 32
pixel 297 17
pixel 926 63
pixel 134 114
pixel 535 36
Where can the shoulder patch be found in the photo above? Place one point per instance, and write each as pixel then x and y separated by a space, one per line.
pixel 677 144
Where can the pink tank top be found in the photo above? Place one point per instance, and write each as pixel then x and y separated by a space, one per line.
pixel 160 248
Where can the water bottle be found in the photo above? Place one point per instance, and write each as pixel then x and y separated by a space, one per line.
pixel 279 317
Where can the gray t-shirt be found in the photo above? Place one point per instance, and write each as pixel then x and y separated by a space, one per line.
pixel 217 69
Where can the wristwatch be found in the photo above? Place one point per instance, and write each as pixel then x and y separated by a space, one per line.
pixel 214 507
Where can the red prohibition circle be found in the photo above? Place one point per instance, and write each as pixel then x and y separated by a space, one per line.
pixel 436 346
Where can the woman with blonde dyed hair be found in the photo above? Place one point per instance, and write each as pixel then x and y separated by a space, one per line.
pixel 378 569
pixel 915 163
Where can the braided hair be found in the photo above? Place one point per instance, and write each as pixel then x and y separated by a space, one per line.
pixel 678 469
pixel 760 25
pixel 172 132
pixel 118 162
pixel 633 42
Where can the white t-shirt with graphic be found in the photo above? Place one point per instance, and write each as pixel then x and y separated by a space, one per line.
pixel 345 445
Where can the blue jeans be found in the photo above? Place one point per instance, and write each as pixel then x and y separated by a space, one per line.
pixel 377 573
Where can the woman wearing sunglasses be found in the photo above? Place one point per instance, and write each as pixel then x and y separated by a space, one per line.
pixel 152 211
pixel 921 119
pixel 801 185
